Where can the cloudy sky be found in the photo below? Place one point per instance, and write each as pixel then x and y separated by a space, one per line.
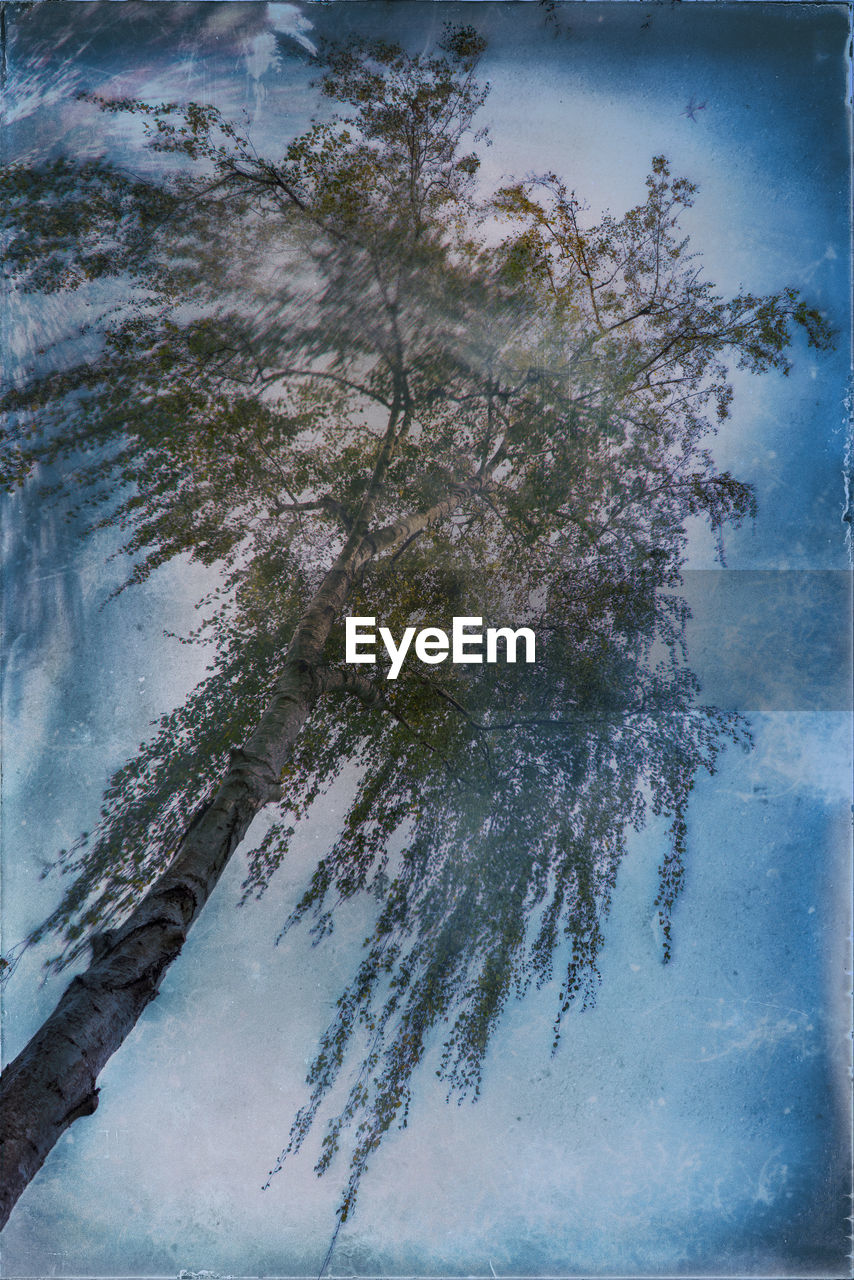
pixel 694 1122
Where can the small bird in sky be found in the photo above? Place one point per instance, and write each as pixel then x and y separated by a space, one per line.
pixel 692 108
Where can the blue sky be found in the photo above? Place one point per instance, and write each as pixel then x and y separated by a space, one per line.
pixel 697 1120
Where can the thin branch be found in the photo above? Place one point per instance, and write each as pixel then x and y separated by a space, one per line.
pixel 278 374
pixel 340 680
pixel 405 546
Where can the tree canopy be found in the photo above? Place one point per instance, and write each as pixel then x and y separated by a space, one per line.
pixel 360 384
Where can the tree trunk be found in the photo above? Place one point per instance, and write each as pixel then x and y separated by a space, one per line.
pixel 52 1082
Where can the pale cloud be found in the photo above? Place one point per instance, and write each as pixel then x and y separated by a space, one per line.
pixel 289 20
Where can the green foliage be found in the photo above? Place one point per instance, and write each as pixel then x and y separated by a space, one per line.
pixel 510 800
pixel 290 352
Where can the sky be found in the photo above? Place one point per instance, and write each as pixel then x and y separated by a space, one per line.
pixel 697 1120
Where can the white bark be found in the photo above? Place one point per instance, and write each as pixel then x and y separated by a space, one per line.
pixel 53 1081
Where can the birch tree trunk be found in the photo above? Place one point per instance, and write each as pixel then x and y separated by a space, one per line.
pixel 52 1082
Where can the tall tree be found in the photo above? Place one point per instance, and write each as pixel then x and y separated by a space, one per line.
pixel 359 386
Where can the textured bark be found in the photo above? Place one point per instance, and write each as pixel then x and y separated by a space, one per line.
pixel 52 1082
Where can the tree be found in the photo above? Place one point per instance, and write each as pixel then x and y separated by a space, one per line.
pixel 345 377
